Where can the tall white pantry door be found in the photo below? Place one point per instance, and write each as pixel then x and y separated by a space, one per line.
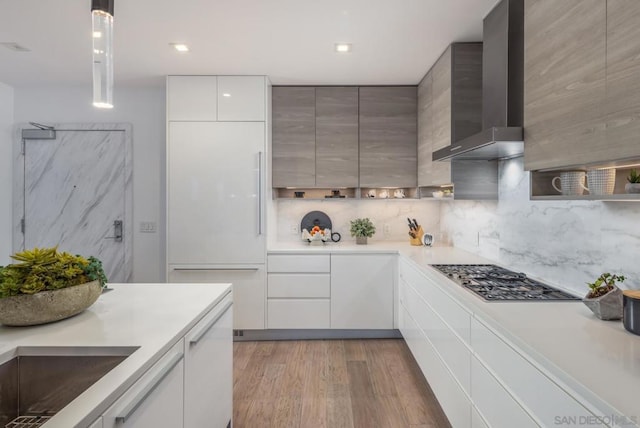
pixel 216 185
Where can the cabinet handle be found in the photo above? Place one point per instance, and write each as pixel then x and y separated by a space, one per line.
pixel 149 388
pixel 259 193
pixel 196 337
pixel 453 149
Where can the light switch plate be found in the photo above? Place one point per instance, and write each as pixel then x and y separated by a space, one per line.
pixel 148 226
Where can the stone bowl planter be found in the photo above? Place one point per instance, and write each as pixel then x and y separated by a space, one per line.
pixel 607 307
pixel 48 306
pixel 632 187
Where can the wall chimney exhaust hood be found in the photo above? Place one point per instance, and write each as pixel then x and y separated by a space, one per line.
pixel 502 89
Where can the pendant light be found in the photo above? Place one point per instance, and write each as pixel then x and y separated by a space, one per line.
pixel 102 18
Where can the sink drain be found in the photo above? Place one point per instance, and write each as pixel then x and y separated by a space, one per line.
pixel 28 422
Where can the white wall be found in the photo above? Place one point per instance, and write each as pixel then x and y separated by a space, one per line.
pixel 144 108
pixel 6 126
pixel 566 243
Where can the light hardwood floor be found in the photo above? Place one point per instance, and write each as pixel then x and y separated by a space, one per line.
pixel 332 384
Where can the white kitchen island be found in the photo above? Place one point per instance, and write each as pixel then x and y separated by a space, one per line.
pixel 177 332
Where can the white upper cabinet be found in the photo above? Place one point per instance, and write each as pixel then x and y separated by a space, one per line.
pixel 241 98
pixel 192 98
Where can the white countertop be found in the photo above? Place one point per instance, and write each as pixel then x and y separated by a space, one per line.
pixel 598 360
pixel 152 317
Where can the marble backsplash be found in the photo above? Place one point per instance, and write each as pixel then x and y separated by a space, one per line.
pixel 391 213
pixel 565 243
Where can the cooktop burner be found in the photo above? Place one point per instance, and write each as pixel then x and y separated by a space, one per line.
pixel 494 283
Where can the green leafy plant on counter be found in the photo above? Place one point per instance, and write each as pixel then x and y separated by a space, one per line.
pixel 604 284
pixel 44 269
pixel 633 177
pixel 362 227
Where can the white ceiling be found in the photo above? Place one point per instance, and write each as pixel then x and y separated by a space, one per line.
pixel 292 41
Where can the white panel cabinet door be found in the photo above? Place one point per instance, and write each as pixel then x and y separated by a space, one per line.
pixel 241 98
pixel 216 185
pixel 249 290
pixel 156 399
pixel 208 373
pixel 362 291
pixel 192 98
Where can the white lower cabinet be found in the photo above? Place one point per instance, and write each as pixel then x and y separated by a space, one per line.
pixel 451 397
pixel 497 406
pixel 476 419
pixel 208 378
pixel 249 284
pixel 362 291
pixel 298 291
pixel 156 399
pixel 96 424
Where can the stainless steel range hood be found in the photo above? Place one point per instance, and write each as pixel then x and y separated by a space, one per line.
pixel 502 89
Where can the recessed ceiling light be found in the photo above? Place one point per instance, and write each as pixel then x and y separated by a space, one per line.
pixel 15 47
pixel 226 94
pixel 343 47
pixel 180 47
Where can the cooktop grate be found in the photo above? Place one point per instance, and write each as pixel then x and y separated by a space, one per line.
pixel 28 422
pixel 494 283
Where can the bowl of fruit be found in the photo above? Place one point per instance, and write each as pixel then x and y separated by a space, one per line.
pixel 316 236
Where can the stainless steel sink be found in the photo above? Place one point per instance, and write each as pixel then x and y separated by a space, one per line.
pixel 41 381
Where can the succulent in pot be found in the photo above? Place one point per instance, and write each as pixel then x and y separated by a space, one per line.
pixel 45 285
pixel 604 297
pixel 362 228
pixel 633 185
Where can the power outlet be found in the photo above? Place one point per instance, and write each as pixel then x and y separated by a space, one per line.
pixel 293 229
pixel 148 226
pixel 386 229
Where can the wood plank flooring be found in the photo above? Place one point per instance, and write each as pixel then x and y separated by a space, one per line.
pixel 331 384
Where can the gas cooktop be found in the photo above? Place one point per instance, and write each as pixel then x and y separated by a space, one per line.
pixel 494 283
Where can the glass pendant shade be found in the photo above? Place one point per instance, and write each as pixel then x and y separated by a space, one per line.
pixel 102 18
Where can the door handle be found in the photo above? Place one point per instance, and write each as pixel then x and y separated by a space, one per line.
pixel 259 193
pixel 117 231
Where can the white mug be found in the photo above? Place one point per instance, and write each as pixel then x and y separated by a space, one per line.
pixel 571 183
pixel 384 194
pixel 398 193
pixel 372 193
pixel 601 181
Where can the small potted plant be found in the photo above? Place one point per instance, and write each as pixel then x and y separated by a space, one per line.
pixel 362 228
pixel 633 185
pixel 604 297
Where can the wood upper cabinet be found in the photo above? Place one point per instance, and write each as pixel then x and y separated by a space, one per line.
pixel 336 137
pixel 450 109
pixel 622 104
pixel 388 136
pixel 294 136
pixel 564 81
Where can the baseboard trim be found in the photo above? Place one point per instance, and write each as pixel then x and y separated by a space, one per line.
pixel 312 334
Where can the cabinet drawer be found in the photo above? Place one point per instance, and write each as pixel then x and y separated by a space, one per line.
pixel 544 398
pixel 498 408
pixel 298 313
pixel 453 400
pixel 451 312
pixel 290 285
pixel 304 263
pixel 455 355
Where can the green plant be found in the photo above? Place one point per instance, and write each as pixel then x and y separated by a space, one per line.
pixel 633 177
pixel 604 284
pixel 362 227
pixel 43 269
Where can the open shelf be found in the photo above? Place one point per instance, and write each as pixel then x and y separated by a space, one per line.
pixel 315 194
pixel 542 190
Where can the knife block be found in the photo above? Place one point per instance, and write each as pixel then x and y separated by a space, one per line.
pixel 418 239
